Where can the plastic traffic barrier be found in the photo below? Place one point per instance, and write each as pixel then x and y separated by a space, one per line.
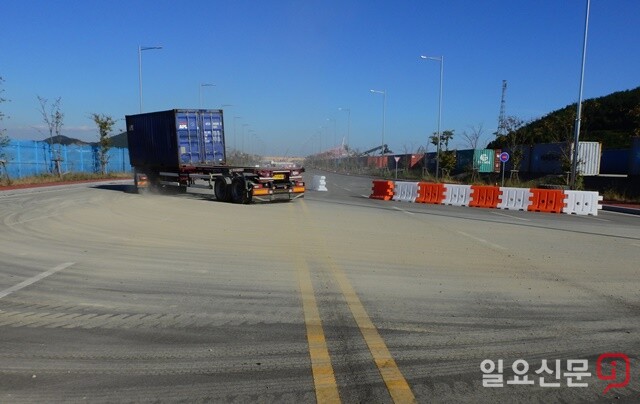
pixel 319 183
pixel 483 196
pixel 429 192
pixel 457 195
pixel 582 202
pixel 546 200
pixel 514 198
pixel 382 190
pixel 405 191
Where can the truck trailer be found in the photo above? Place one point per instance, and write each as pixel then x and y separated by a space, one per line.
pixel 185 148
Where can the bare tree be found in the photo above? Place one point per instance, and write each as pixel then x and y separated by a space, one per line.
pixel 54 119
pixel 105 124
pixel 514 139
pixel 4 139
pixel 409 149
pixel 472 139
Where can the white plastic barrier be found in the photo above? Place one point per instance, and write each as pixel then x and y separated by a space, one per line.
pixel 514 198
pixel 582 202
pixel 405 191
pixel 319 183
pixel 457 195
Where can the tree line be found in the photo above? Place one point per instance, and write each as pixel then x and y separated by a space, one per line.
pixel 53 118
pixel 612 120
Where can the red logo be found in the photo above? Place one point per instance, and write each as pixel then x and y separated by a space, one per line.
pixel 614 370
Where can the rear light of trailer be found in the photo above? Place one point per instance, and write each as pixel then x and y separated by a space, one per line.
pixel 261 191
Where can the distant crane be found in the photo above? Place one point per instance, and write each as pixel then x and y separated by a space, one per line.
pixel 384 148
pixel 502 128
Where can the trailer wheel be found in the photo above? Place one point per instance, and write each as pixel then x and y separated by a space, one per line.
pixel 140 183
pixel 240 191
pixel 222 190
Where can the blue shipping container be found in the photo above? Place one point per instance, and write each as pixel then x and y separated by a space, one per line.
pixel 615 161
pixel 176 138
pixel 634 157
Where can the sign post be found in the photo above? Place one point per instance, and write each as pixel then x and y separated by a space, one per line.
pixel 396 158
pixel 504 157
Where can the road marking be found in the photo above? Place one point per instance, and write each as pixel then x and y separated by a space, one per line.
pixel 403 211
pixel 391 375
pixel 34 279
pixel 324 378
pixel 365 196
pixel 512 217
pixel 499 247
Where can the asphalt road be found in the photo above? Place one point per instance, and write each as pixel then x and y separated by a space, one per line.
pixel 110 296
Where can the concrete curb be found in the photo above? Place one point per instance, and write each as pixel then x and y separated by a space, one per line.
pixel 621 209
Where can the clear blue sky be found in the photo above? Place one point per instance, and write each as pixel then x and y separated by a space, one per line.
pixel 287 66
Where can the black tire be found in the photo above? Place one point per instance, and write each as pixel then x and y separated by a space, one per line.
pixel 221 190
pixel 240 192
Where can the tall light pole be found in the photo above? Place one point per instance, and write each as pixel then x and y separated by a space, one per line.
pixel 441 60
pixel 235 137
pixel 251 144
pixel 576 136
pixel 335 130
pixel 323 134
pixel 348 122
pixel 200 91
pixel 384 106
pixel 244 125
pixel 140 50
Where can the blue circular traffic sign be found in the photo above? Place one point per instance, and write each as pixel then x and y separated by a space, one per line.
pixel 504 157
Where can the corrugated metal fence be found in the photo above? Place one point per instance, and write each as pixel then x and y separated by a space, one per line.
pixel 27 158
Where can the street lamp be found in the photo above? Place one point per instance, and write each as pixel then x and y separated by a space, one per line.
pixel 140 49
pixel 251 145
pixel 384 104
pixel 200 90
pixel 348 122
pixel 244 125
pixel 576 136
pixel 335 130
pixel 441 60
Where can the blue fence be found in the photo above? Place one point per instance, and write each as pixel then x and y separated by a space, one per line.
pixel 27 158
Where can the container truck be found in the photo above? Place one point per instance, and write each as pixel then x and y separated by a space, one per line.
pixel 185 148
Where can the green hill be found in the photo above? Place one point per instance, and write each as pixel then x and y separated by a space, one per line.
pixel 64 140
pixel 119 140
pixel 612 120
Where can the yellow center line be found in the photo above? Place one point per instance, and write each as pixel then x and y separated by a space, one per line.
pixel 321 368
pixel 391 375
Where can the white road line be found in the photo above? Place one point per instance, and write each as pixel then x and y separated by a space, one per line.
pixel 512 217
pixel 402 210
pixel 34 279
pixel 365 196
pixel 499 247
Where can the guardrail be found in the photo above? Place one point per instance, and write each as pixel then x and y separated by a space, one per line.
pixel 526 199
